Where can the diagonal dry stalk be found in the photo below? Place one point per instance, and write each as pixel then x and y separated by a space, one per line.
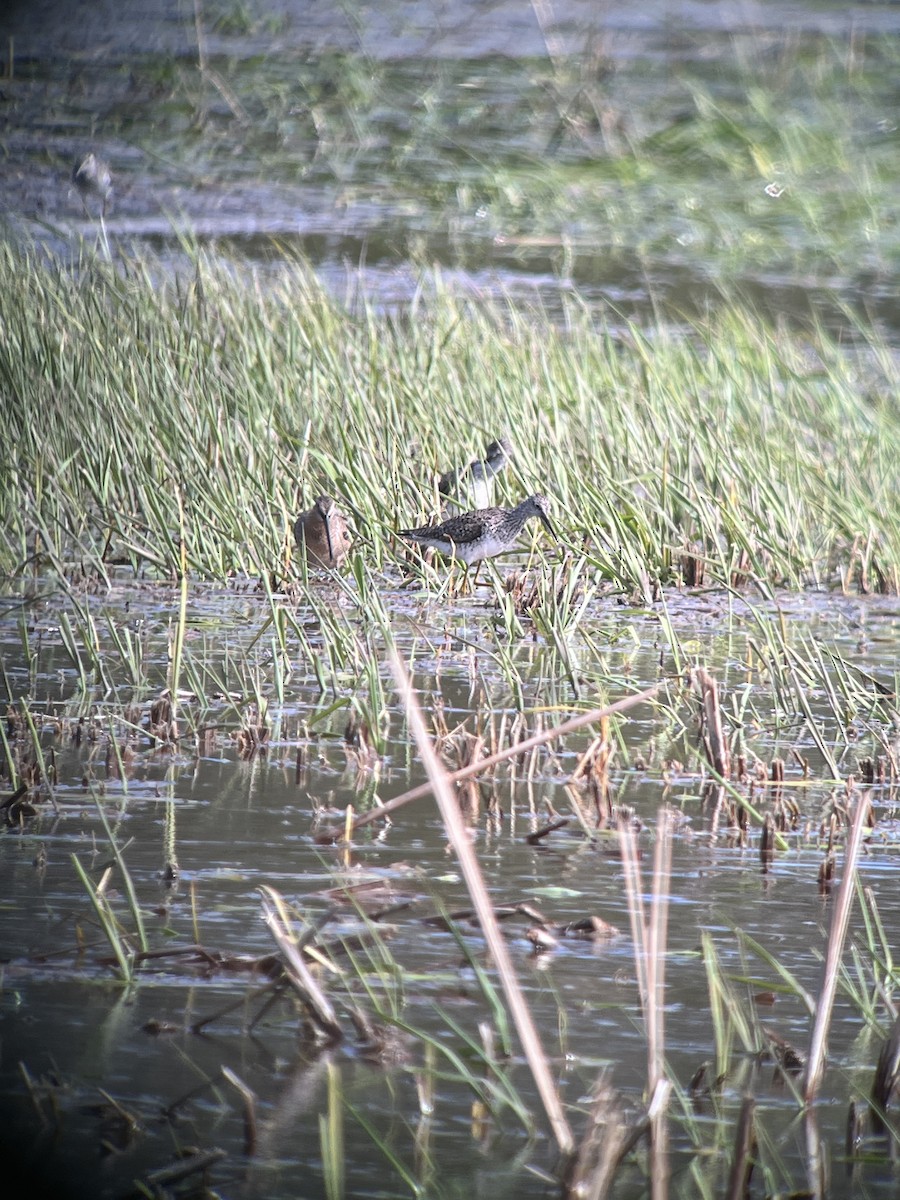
pixel 320 1008
pixel 457 833
pixel 547 735
pixel 834 949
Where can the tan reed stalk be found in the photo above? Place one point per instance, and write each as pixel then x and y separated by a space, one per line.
pixel 834 949
pixel 320 1008
pixel 649 957
pixel 717 746
pixel 458 836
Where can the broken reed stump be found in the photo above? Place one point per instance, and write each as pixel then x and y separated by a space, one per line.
pixel 714 743
pixel 163 719
pixel 693 564
pixel 767 842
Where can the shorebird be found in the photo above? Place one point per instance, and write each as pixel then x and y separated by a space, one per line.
pixel 321 533
pixel 92 177
pixel 481 534
pixel 472 483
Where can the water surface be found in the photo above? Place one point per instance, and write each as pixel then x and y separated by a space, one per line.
pixel 234 824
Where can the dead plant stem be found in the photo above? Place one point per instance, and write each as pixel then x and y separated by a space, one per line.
pixel 546 735
pixel 439 782
pixel 834 949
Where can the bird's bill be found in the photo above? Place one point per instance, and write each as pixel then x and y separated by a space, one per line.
pixel 327 524
pixel 545 521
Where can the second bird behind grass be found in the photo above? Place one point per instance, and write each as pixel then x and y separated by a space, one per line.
pixel 473 481
pixel 92 177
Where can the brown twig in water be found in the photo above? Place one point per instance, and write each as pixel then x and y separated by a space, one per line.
pixel 277 987
pixel 201 1161
pixel 546 735
pixel 534 838
pixel 744 1146
pixel 887 1077
pixel 248 1096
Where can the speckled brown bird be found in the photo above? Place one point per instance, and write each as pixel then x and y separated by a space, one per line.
pixel 321 533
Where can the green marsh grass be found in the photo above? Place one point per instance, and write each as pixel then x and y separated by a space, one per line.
pixel 177 427
pixel 373 991
pixel 331 1134
pixel 757 154
pixel 125 945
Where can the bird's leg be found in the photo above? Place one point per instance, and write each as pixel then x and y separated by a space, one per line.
pixel 456 586
pixel 454 560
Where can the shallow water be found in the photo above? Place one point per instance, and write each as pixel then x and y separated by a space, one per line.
pixel 236 824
